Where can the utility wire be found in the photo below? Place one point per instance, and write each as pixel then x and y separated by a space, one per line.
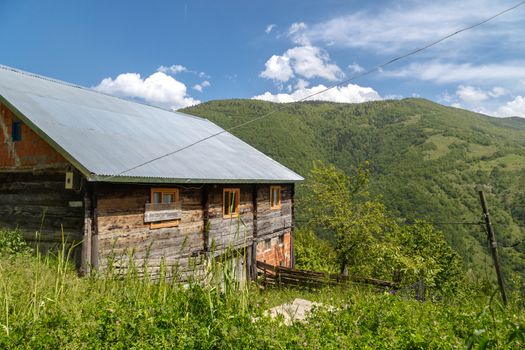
pixel 362 74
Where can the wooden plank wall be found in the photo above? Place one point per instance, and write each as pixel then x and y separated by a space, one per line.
pixel 224 232
pixel 32 193
pixel 272 223
pixel 122 232
pixel 39 203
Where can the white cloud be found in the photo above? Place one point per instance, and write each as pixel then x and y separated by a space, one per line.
pixel 301 84
pixel 158 89
pixel 471 94
pixel 514 108
pixel 443 73
pixel 356 68
pixel 278 68
pixel 305 61
pixel 269 28
pixel 174 69
pixel 297 33
pixel 498 91
pixel 351 93
pixel 408 24
pixel 201 86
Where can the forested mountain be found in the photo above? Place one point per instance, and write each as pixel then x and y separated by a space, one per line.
pixel 426 160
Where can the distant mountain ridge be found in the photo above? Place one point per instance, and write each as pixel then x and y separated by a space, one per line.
pixel 426 160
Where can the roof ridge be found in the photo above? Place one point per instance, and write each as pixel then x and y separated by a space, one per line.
pixel 65 83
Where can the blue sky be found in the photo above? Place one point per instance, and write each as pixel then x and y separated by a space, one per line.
pixel 178 53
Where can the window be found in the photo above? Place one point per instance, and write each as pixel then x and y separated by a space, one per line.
pixel 275 197
pixel 16 131
pixel 163 197
pixel 267 244
pixel 230 205
pixel 281 240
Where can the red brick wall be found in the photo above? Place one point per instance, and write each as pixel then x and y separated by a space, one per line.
pixel 32 151
pixel 278 254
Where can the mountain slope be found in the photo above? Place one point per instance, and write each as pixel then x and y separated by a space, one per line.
pixel 426 160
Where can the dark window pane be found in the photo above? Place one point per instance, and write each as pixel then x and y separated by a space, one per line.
pixel 16 131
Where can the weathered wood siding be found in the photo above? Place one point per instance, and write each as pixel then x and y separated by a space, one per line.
pixel 32 194
pixel 121 232
pixel 229 232
pixel 272 223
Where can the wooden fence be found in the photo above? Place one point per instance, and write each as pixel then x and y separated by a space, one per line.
pixel 285 276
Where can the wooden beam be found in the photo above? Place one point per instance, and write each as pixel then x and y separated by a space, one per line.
pixel 162 212
pixel 85 262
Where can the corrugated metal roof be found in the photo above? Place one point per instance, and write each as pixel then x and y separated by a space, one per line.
pixel 104 135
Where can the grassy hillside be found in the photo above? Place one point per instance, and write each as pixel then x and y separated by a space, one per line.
pixel 426 160
pixel 45 305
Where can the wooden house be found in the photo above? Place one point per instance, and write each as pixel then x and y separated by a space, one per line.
pixel 116 177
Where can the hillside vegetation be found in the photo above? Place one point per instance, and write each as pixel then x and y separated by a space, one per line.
pixel 426 161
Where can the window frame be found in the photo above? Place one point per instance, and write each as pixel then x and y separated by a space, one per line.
pixel 236 210
pixel 176 198
pixel 267 247
pixel 280 241
pixel 278 205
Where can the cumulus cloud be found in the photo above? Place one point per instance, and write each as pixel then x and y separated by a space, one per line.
pixel 471 94
pixel 278 68
pixel 201 86
pixel 514 108
pixel 305 61
pixel 269 28
pixel 350 93
pixel 158 89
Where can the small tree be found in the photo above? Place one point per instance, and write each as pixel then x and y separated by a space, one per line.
pixel 369 242
pixel 340 204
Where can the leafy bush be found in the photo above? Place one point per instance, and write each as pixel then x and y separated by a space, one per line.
pixel 313 253
pixel 12 242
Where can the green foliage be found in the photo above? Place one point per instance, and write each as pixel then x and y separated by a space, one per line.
pixel 370 243
pixel 314 253
pixel 426 160
pixel 45 305
pixel 12 243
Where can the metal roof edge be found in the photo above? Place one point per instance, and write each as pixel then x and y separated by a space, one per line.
pixel 46 138
pixel 162 180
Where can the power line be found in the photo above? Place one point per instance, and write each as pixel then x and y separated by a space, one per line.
pixel 359 75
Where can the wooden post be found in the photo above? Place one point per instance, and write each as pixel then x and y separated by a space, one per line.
pixel 493 246
pixel 94 230
pixel 206 207
pixel 292 245
pixel 85 263
pixel 253 247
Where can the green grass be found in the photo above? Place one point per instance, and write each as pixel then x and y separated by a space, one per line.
pixel 45 305
pixel 441 144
